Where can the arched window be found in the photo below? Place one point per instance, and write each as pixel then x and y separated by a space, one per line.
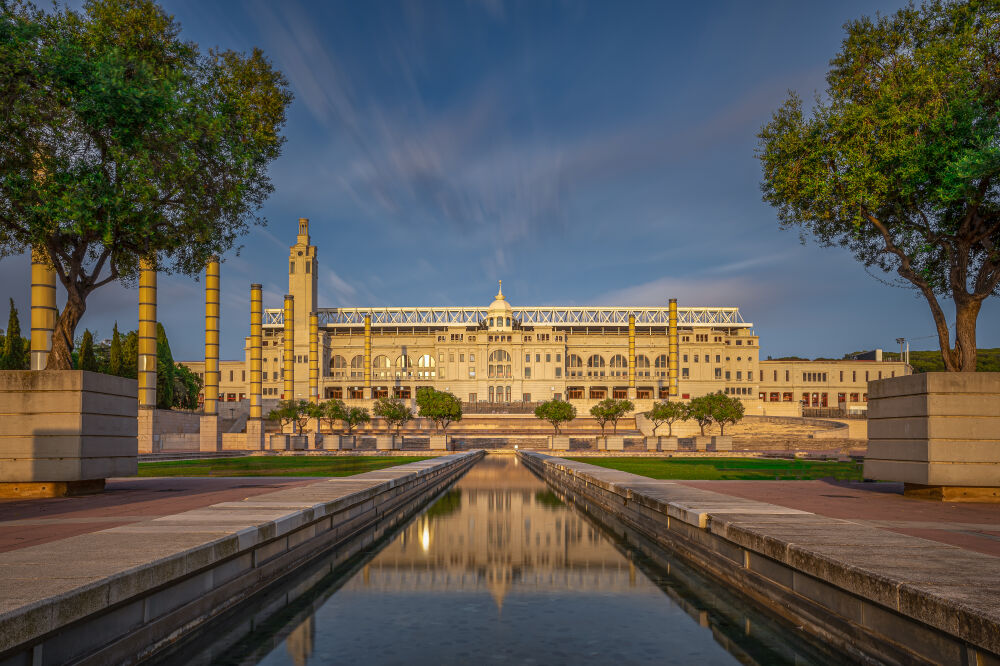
pixel 425 367
pixel 661 365
pixel 619 366
pixel 499 364
pixel 574 365
pixel 338 366
pixel 641 366
pixel 381 367
pixel 403 365
pixel 595 366
pixel 358 367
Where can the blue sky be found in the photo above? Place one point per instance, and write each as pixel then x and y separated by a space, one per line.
pixel 585 153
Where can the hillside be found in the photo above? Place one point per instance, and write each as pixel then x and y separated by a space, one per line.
pixel 987 360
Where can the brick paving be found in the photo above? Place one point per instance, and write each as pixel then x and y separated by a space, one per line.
pixel 31 522
pixel 973 526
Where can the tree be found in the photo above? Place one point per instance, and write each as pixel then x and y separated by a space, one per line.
pixel 164 370
pixel 600 414
pixel 700 409
pixel 617 409
pixel 115 356
pixel 121 142
pixel 555 412
pixel 725 409
pixel 88 361
pixel 393 411
pixel 898 160
pixel 291 412
pixel 439 406
pixel 187 386
pixel 356 416
pixel 669 413
pixel 332 410
pixel 16 354
pixel 130 355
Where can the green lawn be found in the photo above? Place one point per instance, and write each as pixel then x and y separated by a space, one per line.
pixel 274 466
pixel 703 469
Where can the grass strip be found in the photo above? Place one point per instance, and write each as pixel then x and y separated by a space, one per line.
pixel 731 469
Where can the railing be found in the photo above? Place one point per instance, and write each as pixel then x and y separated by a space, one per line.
pixel 833 413
pixel 484 407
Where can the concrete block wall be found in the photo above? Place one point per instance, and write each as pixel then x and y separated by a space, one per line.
pixel 935 429
pixel 66 426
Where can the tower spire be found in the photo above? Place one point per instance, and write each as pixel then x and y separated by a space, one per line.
pixel 500 291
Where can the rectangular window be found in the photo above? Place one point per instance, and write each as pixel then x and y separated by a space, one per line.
pixel 230 375
pixel 718 373
pixel 684 373
pixel 739 374
pixel 548 358
pixel 866 375
pixel 291 267
pixel 685 358
pixel 854 375
pixel 472 358
pixel 558 358
pixel 558 371
pixel 841 376
pixel 538 358
pixel 461 358
pixel 728 375
pixel 244 373
pixel 472 397
pixel 761 375
pixel 307 267
pixel 472 373
pixel 718 359
pixel 527 373
pixel 695 358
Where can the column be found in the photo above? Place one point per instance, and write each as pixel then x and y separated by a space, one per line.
pixel 368 357
pixel 255 424
pixel 631 357
pixel 210 434
pixel 43 308
pixel 313 357
pixel 288 370
pixel 148 440
pixel 672 347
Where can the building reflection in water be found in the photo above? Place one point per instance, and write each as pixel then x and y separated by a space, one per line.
pixel 500 529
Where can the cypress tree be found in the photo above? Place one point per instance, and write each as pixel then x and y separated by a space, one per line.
pixel 130 355
pixel 115 364
pixel 87 359
pixel 14 350
pixel 164 370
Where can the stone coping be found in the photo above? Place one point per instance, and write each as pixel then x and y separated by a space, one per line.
pixel 50 586
pixel 945 587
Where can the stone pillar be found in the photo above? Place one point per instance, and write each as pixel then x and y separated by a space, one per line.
pixel 255 424
pixel 368 357
pixel 672 348
pixel 314 358
pixel 631 357
pixel 147 335
pixel 43 309
pixel 210 407
pixel 288 365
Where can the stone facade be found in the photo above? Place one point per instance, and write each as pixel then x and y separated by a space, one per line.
pixel 69 428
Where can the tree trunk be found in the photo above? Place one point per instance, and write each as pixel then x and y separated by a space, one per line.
pixel 61 354
pixel 722 430
pixel 963 356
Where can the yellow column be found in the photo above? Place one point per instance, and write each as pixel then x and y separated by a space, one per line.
pixel 672 347
pixel 631 351
pixel 368 356
pixel 147 334
pixel 313 357
pixel 43 309
pixel 256 321
pixel 211 337
pixel 289 360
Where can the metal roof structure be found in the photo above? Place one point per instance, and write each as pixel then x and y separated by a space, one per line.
pixel 573 317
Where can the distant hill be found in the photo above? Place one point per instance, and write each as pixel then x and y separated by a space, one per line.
pixel 987 360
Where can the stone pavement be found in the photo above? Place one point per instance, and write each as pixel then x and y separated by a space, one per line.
pixel 31 522
pixel 971 526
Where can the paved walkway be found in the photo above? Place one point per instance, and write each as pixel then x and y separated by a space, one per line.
pixel 31 522
pixel 973 526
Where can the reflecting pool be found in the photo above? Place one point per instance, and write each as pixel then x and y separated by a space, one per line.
pixel 500 570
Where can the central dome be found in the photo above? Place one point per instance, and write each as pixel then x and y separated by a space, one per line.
pixel 500 304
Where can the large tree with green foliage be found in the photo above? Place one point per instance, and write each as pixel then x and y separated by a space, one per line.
pixel 393 412
pixel 725 410
pixel 120 141
pixel 187 386
pixel 439 406
pixel 899 160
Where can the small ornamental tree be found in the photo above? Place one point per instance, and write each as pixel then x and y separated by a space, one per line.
pixel 600 414
pixel 331 411
pixel 700 409
pixel 555 411
pixel 121 142
pixel 393 411
pixel 15 354
pixel 356 416
pixel 439 406
pixel 88 361
pixel 726 410
pixel 611 410
pixel 898 160
pixel 294 412
pixel 669 413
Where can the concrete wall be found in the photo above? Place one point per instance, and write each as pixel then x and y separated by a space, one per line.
pixel 829 577
pixel 936 429
pixel 134 589
pixel 66 426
